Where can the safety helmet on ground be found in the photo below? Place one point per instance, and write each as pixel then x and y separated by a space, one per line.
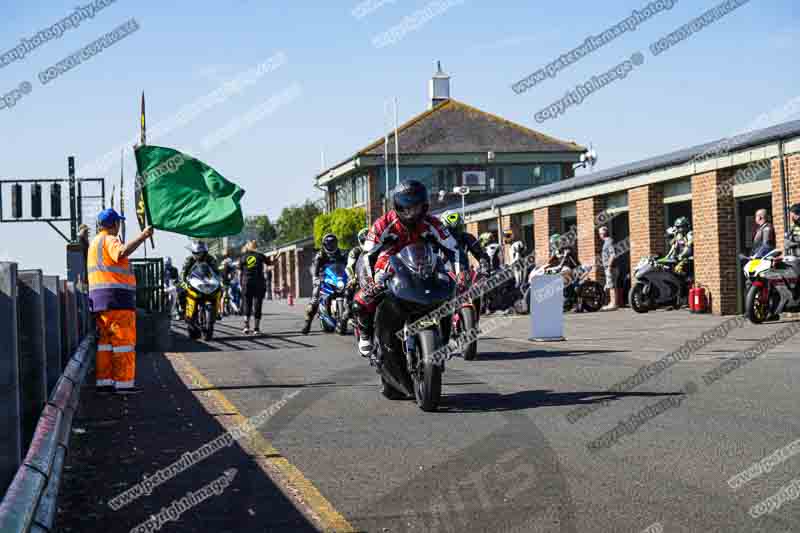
pixel 199 248
pixel 682 223
pixel 330 244
pixel 362 236
pixel 453 221
pixel 410 202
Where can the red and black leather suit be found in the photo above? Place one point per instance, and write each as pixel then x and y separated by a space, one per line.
pixel 386 238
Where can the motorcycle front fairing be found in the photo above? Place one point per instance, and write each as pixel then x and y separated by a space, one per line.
pixel 419 277
pixel 334 278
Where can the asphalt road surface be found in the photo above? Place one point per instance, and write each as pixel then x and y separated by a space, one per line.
pixel 501 454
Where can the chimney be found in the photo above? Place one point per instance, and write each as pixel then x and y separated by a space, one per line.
pixel 438 87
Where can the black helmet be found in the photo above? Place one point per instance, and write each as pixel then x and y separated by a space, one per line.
pixel 330 244
pixel 362 236
pixel 410 202
pixel 795 209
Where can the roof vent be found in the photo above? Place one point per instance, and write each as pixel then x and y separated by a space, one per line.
pixel 438 87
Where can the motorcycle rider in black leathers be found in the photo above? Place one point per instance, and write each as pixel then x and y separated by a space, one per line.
pixel 329 254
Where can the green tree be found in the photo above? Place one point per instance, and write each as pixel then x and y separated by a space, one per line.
pixel 344 223
pixel 264 229
pixel 296 222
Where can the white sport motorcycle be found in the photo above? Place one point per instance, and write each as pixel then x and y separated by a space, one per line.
pixel 773 286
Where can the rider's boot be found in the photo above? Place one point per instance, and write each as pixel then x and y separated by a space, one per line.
pixel 366 329
pixel 310 311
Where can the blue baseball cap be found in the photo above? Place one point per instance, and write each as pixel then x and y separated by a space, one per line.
pixel 108 217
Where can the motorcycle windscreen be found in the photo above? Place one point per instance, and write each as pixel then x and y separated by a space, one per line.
pixel 416 278
pixel 203 279
pixel 335 273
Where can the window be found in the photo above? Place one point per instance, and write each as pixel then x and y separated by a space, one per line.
pixel 343 194
pixel 360 190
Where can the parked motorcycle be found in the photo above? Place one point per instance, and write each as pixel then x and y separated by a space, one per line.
pixel 581 293
pixel 507 295
pixel 466 319
pixel 410 364
pixel 203 292
pixel 773 283
pixel 333 299
pixel 657 285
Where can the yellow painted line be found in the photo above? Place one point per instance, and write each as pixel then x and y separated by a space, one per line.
pixel 287 476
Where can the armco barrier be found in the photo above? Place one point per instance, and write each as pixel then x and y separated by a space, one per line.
pixel 30 501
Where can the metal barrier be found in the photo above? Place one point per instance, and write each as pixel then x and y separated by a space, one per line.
pixel 42 319
pixel 150 294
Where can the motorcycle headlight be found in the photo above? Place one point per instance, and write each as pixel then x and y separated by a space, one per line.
pixel 340 284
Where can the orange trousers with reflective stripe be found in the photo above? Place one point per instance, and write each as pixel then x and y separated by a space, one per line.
pixel 116 348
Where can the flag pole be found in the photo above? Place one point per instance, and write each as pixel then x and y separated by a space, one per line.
pixel 122 190
pixel 143 142
pixel 396 146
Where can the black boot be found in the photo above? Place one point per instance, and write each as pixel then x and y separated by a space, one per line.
pixel 307 327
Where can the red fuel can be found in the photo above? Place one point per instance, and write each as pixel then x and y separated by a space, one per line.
pixel 698 301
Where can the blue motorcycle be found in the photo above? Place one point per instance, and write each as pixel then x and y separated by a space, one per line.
pixel 332 299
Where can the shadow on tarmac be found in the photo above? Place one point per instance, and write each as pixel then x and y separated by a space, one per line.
pixel 536 354
pixel 118 440
pixel 482 402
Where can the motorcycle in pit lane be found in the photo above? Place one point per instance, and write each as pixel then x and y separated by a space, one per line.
pixel 582 294
pixel 230 299
pixel 657 285
pixel 772 281
pixel 508 295
pixel 203 291
pixel 466 319
pixel 410 365
pixel 333 299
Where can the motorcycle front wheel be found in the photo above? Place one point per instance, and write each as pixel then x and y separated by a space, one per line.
pixel 637 299
pixel 756 306
pixel 208 331
pixel 428 377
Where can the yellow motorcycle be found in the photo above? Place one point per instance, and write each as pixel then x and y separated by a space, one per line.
pixel 203 291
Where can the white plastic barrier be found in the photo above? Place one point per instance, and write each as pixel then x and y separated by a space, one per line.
pixel 547 308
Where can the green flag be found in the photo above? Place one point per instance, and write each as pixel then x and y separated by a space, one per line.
pixel 184 195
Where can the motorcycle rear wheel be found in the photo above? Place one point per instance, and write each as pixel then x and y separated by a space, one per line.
pixel 593 296
pixel 428 378
pixel 756 309
pixel 637 299
pixel 467 325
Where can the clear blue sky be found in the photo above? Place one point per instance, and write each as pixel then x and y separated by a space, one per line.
pixel 707 87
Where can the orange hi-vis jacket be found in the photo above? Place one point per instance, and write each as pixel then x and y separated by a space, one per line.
pixel 112 284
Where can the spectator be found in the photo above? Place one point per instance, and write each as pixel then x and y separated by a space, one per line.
pixel 253 283
pixel 764 238
pixel 609 258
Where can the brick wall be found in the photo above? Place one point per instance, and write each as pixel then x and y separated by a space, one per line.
pixel 589 243
pixel 646 215
pixel 792 169
pixel 546 221
pixel 714 229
